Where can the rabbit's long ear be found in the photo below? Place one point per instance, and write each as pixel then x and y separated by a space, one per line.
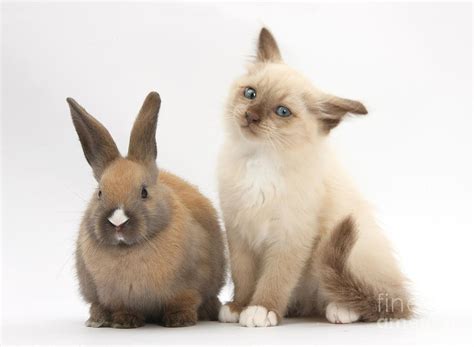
pixel 267 49
pixel 142 147
pixel 98 146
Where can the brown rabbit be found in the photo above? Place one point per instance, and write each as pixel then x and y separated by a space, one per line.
pixel 150 247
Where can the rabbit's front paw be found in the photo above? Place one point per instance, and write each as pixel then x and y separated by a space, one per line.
pixel 99 317
pixel 180 319
pixel 125 320
pixel 91 323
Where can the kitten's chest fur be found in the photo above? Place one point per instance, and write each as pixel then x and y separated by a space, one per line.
pixel 261 183
pixel 264 198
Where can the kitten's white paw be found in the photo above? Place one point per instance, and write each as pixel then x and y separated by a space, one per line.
pixel 257 316
pixel 227 316
pixel 339 314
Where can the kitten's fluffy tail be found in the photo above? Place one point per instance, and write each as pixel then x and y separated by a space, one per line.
pixel 373 303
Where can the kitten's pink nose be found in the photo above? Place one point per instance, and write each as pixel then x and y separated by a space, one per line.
pixel 252 117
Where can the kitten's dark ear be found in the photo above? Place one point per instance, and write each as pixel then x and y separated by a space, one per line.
pixel 142 146
pixel 98 146
pixel 330 109
pixel 267 50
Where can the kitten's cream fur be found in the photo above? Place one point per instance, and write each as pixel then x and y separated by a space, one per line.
pixel 302 240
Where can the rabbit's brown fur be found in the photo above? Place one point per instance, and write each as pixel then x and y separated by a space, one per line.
pixel 173 274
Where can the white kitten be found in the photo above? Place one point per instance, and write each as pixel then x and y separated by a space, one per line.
pixel 302 240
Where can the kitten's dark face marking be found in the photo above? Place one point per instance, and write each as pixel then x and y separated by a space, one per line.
pixel 266 108
pixel 251 94
pixel 261 111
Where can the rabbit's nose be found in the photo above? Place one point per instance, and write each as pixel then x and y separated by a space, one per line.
pixel 118 217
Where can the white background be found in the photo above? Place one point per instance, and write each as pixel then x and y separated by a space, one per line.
pixel 409 63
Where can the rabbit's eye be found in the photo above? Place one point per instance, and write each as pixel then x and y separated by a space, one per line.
pixel 144 193
pixel 99 194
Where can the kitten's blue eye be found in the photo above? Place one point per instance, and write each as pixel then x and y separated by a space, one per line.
pixel 283 111
pixel 250 93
